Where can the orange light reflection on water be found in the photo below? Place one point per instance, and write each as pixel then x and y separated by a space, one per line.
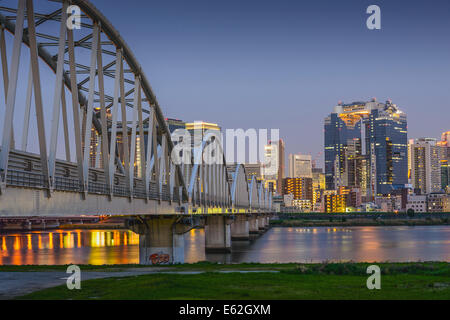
pixel 78 239
pixel 61 244
pixel 50 240
pixel 16 243
pixel 26 248
pixel 30 245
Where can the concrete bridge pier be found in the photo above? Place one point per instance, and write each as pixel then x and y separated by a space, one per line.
pixel 262 224
pixel 240 228
pixel 161 240
pixel 253 225
pixel 27 225
pixel 267 222
pixel 217 234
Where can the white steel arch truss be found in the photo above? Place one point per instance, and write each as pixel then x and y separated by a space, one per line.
pixel 208 179
pixel 254 194
pixel 240 195
pixel 114 141
pixel 111 90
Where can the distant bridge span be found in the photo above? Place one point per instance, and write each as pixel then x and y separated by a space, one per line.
pixel 95 107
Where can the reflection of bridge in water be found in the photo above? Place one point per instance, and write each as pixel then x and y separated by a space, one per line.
pixel 42 60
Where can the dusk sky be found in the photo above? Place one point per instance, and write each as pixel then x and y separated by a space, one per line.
pixel 286 64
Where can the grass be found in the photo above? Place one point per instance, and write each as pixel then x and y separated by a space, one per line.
pixel 347 268
pixel 199 266
pixel 430 280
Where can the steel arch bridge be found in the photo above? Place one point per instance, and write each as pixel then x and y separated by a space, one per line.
pixel 116 146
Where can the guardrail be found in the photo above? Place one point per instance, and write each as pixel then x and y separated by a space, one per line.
pixel 25 179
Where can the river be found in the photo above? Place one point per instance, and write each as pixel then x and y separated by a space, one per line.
pixel 298 244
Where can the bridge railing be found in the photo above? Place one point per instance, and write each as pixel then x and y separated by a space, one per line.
pixel 97 187
pixel 25 179
pixel 67 184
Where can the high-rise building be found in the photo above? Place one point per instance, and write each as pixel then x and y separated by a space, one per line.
pixel 121 128
pixel 356 170
pixel 424 165
pixel 270 166
pixel 94 147
pixel 300 166
pixel 352 196
pixel 381 129
pixel 281 167
pixel 174 124
pixel 199 129
pixel 318 184
pixel 273 168
pixel 445 176
pixel 301 188
pixel 302 191
pixel 444 156
pixel 445 138
pixel 334 203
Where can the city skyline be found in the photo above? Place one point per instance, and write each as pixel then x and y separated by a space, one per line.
pixel 404 61
pixel 414 80
pixel 188 136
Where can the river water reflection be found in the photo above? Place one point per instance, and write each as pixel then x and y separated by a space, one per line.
pixel 427 243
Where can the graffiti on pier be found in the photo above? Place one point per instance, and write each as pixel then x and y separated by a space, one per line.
pixel 160 258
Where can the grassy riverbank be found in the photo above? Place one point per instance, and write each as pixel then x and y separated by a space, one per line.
pixel 272 281
pixel 343 220
pixel 356 223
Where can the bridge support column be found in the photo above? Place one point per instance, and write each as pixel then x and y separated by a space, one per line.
pixel 28 225
pixel 262 223
pixel 161 240
pixel 217 234
pixel 253 225
pixel 240 229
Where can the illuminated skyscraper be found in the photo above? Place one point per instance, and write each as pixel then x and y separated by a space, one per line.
pixel 382 131
pixel 445 138
pixel 94 148
pixel 302 191
pixel 356 173
pixel 199 129
pixel 301 188
pixel 424 165
pixel 444 155
pixel 273 168
pixel 174 124
pixel 318 184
